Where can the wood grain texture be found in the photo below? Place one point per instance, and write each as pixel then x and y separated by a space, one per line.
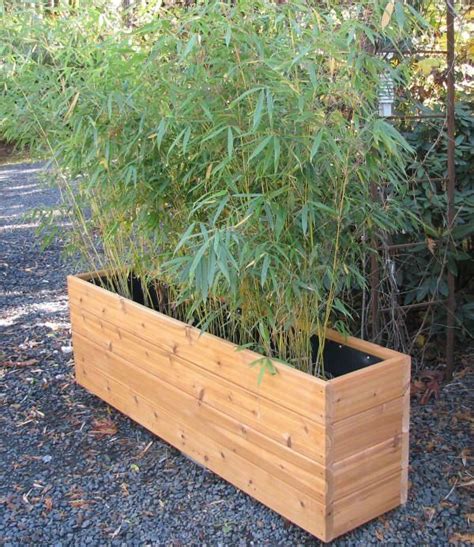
pixel 331 492
pixel 191 427
pixel 366 504
pixel 405 437
pixel 291 466
pixel 363 345
pixel 370 387
pixel 328 456
pixel 293 389
pixel 370 435
pixel 367 466
pixel 367 429
pixel 291 430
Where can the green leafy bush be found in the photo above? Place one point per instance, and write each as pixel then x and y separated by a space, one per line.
pixel 427 199
pixel 227 151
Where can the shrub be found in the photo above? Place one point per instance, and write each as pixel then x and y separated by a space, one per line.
pixel 428 200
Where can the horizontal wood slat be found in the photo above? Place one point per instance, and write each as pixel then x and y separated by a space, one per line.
pixel 363 345
pixel 369 387
pixel 367 429
pixel 282 425
pixel 367 503
pixel 190 430
pixel 294 468
pixel 295 390
pixel 367 467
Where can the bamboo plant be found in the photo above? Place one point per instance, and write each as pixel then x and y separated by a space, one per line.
pixel 225 152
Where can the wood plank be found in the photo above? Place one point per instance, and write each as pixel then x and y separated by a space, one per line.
pixel 284 426
pixel 295 390
pixel 366 429
pixel 367 467
pixel 366 504
pixel 369 387
pixel 363 345
pixel 405 438
pixel 329 462
pixel 193 440
pixel 234 435
pixel 88 276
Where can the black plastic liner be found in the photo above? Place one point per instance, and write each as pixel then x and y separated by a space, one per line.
pixel 339 359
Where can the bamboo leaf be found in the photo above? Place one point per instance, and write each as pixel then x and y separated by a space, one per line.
pixel 230 142
pixel 244 95
pixel 316 144
pixel 257 116
pixel 176 141
pixel 304 219
pixel 269 97
pixel 212 268
pixel 400 14
pixel 186 137
pixel 312 75
pixel 228 35
pixel 162 127
pixel 276 153
pixel 265 266
pixel 189 47
pixel 219 209
pixel 263 143
pixel 72 106
pixel 185 237
pixel 197 258
pixel 214 134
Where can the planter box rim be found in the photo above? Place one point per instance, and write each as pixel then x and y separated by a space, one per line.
pixel 386 356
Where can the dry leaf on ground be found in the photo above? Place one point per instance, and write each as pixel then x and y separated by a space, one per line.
pixel 104 427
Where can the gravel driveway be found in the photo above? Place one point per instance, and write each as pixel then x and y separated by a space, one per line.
pixel 74 471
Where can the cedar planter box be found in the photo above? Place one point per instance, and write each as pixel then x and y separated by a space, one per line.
pixel 327 455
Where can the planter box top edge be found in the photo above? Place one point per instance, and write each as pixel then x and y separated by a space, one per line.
pixel 386 356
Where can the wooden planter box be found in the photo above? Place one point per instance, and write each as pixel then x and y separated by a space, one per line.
pixel 327 455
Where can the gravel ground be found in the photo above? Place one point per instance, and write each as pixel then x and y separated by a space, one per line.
pixel 74 471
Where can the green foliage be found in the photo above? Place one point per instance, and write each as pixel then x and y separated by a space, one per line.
pixel 421 271
pixel 226 150
pixel 422 275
